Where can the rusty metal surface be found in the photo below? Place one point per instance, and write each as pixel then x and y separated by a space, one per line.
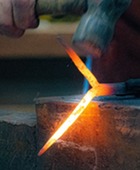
pixel 17 140
pixel 105 137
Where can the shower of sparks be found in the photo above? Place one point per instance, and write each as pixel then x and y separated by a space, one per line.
pixel 96 90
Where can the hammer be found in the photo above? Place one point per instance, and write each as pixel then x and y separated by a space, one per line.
pixel 96 27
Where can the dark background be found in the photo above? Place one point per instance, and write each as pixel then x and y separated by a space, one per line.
pixel 22 80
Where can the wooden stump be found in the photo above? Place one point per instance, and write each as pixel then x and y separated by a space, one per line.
pixel 17 141
pixel 105 137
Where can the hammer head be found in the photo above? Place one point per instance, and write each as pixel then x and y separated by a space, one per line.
pixel 96 27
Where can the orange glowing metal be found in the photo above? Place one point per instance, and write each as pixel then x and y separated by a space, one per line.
pixel 79 64
pixel 94 91
pixel 70 120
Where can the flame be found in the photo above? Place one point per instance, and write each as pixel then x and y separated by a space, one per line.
pixel 96 90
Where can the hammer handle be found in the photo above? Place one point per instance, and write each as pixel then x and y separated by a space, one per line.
pixel 61 7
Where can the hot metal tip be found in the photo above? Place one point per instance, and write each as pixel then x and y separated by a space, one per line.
pixel 40 152
pixel 62 42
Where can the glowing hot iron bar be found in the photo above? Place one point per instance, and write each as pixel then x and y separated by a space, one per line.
pixel 96 90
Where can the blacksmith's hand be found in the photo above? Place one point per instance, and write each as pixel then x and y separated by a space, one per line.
pixel 16 16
